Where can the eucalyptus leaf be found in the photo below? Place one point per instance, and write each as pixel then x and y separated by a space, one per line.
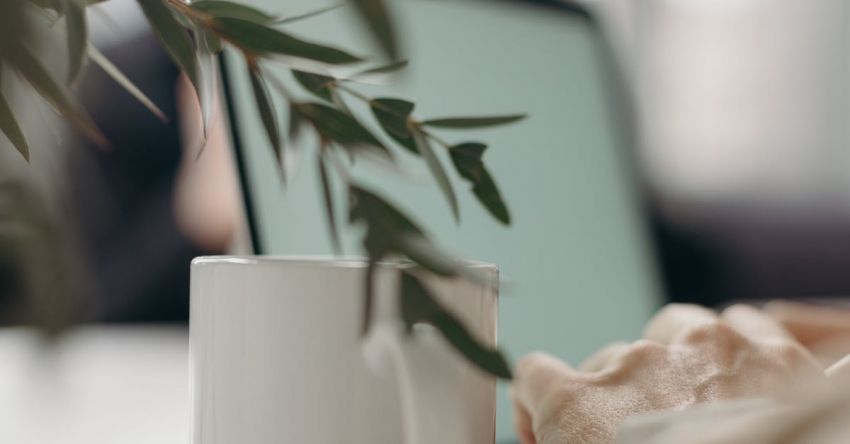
pixel 9 126
pixel 208 40
pixel 377 18
pixel 317 84
pixel 341 127
pixel 261 39
pixel 393 115
pixel 208 71
pixel 437 170
pixel 37 76
pixel 368 295
pixel 327 194
pixel 265 107
pixel 77 37
pixel 384 69
pixel 177 44
pixel 222 8
pixel 384 223
pixel 488 194
pixel 339 101
pixel 467 160
pixel 306 15
pixel 99 59
pixel 420 250
pixel 419 305
pixel 473 122
pixel 296 121
pixel 376 212
pixel 55 5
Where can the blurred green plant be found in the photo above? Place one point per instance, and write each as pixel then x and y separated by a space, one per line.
pixel 37 282
pixel 194 33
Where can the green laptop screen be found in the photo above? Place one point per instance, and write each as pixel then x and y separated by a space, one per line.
pixel 576 266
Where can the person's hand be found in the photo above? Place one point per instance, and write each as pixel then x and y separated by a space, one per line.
pixel 207 203
pixel 688 355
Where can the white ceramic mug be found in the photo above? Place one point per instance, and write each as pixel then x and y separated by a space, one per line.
pixel 277 357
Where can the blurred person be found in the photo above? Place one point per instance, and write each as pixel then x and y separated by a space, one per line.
pixel 762 383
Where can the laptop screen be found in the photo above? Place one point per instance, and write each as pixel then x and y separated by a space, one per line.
pixel 576 265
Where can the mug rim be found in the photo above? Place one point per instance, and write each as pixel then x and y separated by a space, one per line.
pixel 328 261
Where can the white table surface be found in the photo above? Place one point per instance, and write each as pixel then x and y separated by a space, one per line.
pixel 122 385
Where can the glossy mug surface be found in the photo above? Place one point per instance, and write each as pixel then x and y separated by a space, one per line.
pixel 277 357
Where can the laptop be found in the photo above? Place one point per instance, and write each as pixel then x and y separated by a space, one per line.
pixel 578 270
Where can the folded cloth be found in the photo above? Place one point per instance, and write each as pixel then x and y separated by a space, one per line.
pixel 815 414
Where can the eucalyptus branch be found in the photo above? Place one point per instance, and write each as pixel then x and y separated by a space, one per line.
pixel 192 33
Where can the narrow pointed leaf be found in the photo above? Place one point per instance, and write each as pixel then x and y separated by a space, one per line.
pixel 37 76
pixel 437 170
pixel 375 211
pixel 296 120
pixel 488 194
pixel 473 122
pixel 405 142
pixel 100 60
pixel 209 40
pixel 368 294
pixel 77 38
pixel 393 115
pixel 309 14
pixel 383 221
pixel 420 250
pixel 419 305
pixel 265 107
pixel 177 44
pixel 207 72
pixel 55 5
pixel 339 101
pixel 327 194
pixel 377 17
pixel 317 84
pixel 466 158
pixel 341 127
pixel 385 69
pixel 9 126
pixel 222 8
pixel 264 40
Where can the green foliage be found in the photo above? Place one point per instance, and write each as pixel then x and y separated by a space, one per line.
pixel 10 127
pixel 377 16
pixel 266 108
pixel 327 196
pixel 263 40
pixel 393 115
pixel 419 305
pixel 192 33
pixel 178 45
pixel 221 9
pixel 37 75
pixel 467 159
pixel 341 127
pixel 424 147
pixel 321 86
pixel 78 37
pixel 383 69
pixel 473 122
pixel 100 60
